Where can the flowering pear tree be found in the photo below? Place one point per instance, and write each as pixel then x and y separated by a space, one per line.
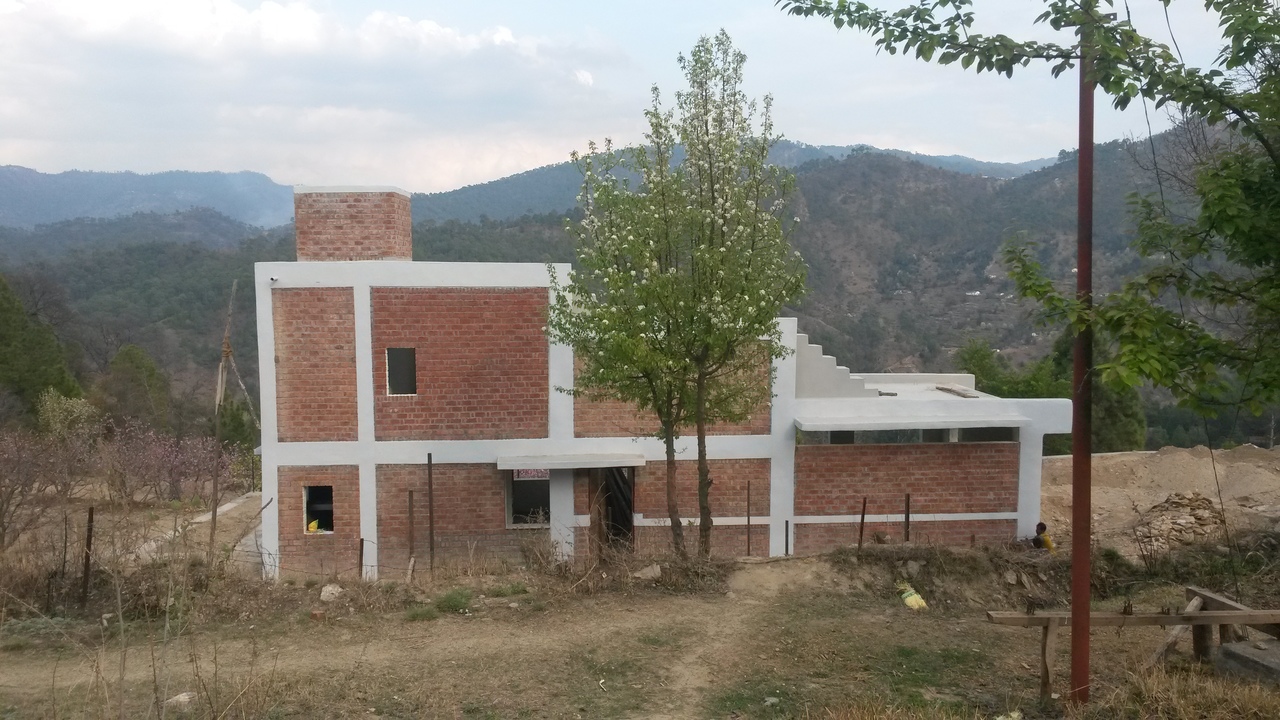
pixel 673 304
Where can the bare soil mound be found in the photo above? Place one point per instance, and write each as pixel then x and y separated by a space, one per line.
pixel 1128 487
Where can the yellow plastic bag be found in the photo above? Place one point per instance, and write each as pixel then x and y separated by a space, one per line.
pixel 910 597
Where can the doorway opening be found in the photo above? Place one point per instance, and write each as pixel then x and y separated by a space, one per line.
pixel 615 505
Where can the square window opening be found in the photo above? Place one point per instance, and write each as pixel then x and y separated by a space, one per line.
pixel 530 497
pixel 402 371
pixel 319 508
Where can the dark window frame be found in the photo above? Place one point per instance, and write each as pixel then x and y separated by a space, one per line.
pixel 314 507
pixel 513 518
pixel 396 375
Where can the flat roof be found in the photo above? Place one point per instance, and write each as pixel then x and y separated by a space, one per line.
pixel 906 413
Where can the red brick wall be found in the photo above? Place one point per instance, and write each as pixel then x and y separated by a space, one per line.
pixel 728 488
pixel 319 555
pixel 816 538
pixel 726 540
pixel 470 515
pixel 481 363
pixel 941 477
pixel 315 340
pixel 612 418
pixel 353 226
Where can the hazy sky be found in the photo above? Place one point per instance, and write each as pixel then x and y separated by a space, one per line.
pixel 432 95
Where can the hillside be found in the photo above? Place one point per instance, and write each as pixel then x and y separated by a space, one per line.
pixel 29 198
pixel 895 249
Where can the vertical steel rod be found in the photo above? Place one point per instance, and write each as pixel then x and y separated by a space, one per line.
pixel 862 524
pixel 748 517
pixel 360 558
pixel 431 515
pixel 411 544
pixel 906 520
pixel 786 537
pixel 88 551
pixel 1082 386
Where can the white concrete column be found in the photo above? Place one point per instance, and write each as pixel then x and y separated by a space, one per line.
pixel 365 428
pixel 782 443
pixel 1030 461
pixel 562 518
pixel 262 284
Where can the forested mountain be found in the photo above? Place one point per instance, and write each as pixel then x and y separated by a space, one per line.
pixel 902 258
pixel 29 198
pixel 202 226
pixel 554 188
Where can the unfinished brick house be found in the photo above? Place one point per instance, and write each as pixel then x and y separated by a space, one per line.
pixel 372 364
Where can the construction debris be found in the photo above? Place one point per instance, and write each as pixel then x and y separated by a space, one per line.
pixel 1181 519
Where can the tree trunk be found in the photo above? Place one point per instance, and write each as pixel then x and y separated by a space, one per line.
pixel 673 507
pixel 704 473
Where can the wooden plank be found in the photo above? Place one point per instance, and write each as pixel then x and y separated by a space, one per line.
pixel 1048 652
pixel 1214 601
pixel 1173 636
pixel 1115 619
pixel 1202 642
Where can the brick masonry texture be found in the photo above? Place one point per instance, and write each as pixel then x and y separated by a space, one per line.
pixel 728 489
pixel 481 360
pixel 613 418
pixel 941 477
pixel 315 364
pixel 811 539
pixel 470 515
pixel 726 540
pixel 320 555
pixel 353 226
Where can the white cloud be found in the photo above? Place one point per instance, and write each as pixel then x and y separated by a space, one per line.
pixel 430 96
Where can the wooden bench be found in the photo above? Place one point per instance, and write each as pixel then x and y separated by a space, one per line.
pixel 1203 612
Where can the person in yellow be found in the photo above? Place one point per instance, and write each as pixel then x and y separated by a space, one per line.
pixel 1042 539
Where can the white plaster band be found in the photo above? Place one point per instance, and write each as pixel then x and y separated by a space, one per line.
pixel 921 517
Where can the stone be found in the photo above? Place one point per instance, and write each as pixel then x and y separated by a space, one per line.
pixel 771 701
pixel 1010 577
pixel 652 572
pixel 181 702
pixel 331 592
pixel 1248 661
pixel 913 568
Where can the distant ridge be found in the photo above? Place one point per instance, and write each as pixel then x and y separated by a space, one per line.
pixel 554 188
pixel 29 197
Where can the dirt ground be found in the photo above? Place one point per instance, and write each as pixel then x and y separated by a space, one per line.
pixel 788 638
pixel 780 639
pixel 1125 485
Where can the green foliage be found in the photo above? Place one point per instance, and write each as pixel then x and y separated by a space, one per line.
pixel 134 388
pixel 31 360
pixel 679 282
pixel 238 429
pixel 418 613
pixel 1202 319
pixel 457 600
pixel 1118 420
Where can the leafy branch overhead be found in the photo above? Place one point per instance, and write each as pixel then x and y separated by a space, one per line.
pixel 1203 316
pixel 1125 64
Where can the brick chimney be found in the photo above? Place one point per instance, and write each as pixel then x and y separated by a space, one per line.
pixel 352 223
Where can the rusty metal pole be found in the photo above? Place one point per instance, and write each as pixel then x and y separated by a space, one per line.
pixel 1082 389
pixel 431 516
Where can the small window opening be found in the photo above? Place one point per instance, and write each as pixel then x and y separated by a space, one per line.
pixel 530 497
pixel 319 513
pixel 402 371
pixel 988 434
